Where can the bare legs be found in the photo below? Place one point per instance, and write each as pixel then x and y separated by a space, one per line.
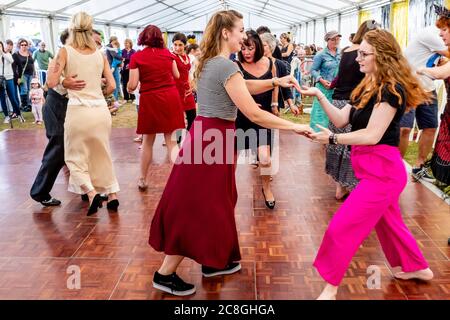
pixel 265 163
pixel 425 144
pixel 147 155
pixel 170 265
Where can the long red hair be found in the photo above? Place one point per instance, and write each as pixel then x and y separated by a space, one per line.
pixel 392 68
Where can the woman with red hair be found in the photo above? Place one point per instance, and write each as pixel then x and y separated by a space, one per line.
pixel 160 108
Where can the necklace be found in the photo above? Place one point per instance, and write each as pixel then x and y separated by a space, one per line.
pixel 185 61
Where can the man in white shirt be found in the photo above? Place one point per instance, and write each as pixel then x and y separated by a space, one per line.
pixel 422 51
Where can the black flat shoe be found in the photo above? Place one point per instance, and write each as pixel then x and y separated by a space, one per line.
pixel 113 205
pixel 85 197
pixel 269 204
pixel 95 205
pixel 51 203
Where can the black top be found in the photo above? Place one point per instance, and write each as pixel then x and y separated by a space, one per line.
pixel 21 61
pixel 277 53
pixel 359 118
pixel 349 76
pixel 265 98
pixel 288 59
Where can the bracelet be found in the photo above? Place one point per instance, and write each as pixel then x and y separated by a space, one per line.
pixel 333 139
pixel 274 105
pixel 273 82
pixel 321 97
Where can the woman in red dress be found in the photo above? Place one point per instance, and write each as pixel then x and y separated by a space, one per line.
pixel 160 109
pixel 184 82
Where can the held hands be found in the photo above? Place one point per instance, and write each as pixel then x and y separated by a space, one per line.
pixel 288 82
pixel 322 137
pixel 309 91
pixel 302 129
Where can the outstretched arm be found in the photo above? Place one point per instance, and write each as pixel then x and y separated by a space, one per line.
pixel 237 91
pixel 339 117
pixel 379 122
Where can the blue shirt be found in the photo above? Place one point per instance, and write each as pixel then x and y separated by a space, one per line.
pixel 325 65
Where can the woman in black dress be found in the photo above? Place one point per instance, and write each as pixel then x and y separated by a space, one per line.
pixel 255 66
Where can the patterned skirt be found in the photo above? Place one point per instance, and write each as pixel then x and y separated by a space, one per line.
pixel 338 164
pixel 440 163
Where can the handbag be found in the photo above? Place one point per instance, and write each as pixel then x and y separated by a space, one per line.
pixel 22 77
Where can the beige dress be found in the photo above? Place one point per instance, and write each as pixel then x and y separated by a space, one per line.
pixel 87 128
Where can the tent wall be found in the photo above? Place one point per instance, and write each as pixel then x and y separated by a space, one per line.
pixel 403 18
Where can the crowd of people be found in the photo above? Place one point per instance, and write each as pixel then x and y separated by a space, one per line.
pixel 236 82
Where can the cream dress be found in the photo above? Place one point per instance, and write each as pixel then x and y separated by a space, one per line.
pixel 87 128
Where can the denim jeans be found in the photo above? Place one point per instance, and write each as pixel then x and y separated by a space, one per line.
pixel 10 90
pixel 25 90
pixel 116 75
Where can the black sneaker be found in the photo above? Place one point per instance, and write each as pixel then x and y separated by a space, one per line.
pixel 230 269
pixel 422 173
pixel 51 203
pixel 173 284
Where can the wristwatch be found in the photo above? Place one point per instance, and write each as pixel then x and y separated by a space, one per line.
pixel 333 139
pixel 61 81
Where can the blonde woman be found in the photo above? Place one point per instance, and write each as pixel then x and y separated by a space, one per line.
pixel 87 127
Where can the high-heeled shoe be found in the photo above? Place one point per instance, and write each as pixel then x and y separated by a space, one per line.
pixel 95 205
pixel 269 204
pixel 142 185
pixel 113 205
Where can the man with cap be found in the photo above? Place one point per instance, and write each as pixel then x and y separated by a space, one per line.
pixel 324 70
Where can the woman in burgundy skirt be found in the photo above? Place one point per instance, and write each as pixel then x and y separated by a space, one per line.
pixel 195 216
pixel 183 82
pixel 160 108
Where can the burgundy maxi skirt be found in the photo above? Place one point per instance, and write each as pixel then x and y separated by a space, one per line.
pixel 195 216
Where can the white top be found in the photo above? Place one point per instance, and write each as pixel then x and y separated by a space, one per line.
pixel 421 49
pixel 295 64
pixel 193 60
pixel 88 67
pixel 7 57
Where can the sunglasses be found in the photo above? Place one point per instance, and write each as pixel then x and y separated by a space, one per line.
pixel 24 45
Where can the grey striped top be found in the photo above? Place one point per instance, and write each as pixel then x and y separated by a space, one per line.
pixel 213 100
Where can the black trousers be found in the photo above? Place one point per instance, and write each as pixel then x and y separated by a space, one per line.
pixel 125 78
pixel 54 114
pixel 190 117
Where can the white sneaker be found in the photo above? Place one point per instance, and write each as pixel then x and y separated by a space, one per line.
pixel 7 120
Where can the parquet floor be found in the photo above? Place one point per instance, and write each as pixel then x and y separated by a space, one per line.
pixel 38 245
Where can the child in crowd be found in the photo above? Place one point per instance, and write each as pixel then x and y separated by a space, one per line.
pixel 37 100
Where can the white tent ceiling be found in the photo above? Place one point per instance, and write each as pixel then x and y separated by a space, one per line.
pixel 174 15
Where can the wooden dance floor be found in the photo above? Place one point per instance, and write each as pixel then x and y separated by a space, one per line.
pixel 40 247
